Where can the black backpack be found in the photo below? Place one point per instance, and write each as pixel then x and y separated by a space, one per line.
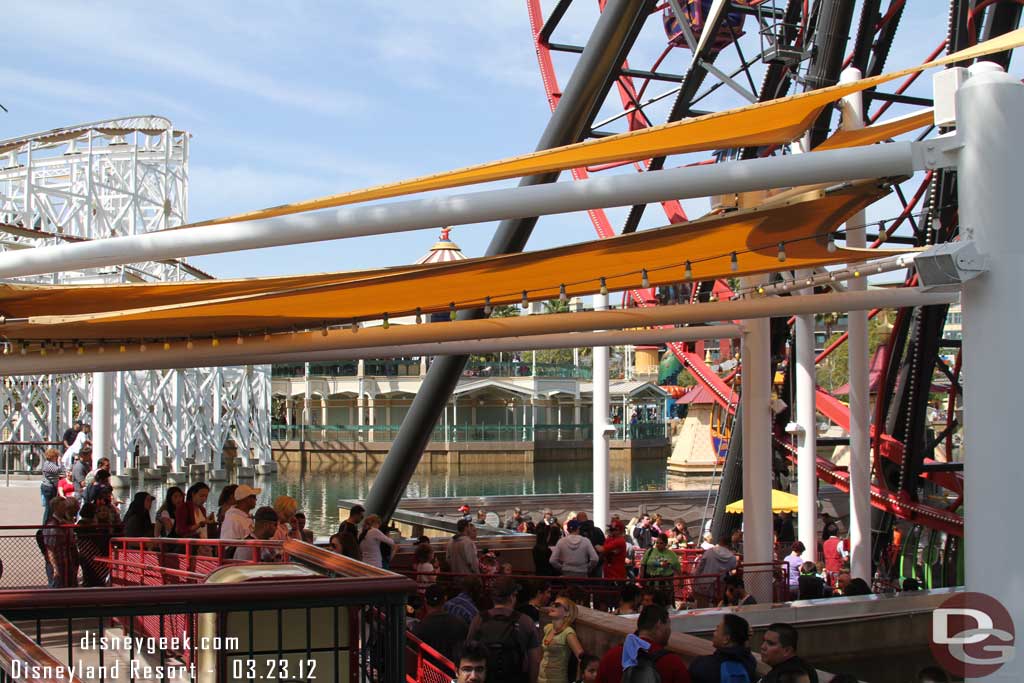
pixel 500 634
pixel 645 669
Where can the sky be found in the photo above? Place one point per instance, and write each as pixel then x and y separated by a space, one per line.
pixel 289 101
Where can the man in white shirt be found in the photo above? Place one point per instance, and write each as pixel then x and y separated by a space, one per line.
pixel 71 454
pixel 238 522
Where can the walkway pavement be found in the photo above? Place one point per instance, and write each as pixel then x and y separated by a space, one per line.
pixel 19 503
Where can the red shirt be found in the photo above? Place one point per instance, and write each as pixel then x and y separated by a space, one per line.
pixel 615 557
pixel 833 557
pixel 66 487
pixel 671 667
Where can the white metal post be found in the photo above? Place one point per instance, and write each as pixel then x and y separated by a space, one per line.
pixel 600 420
pixel 102 415
pixel 990 108
pixel 757 446
pixel 807 436
pixel 177 438
pixel 860 399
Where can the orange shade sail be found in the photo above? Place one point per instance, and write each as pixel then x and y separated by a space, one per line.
pixel 230 307
pixel 764 123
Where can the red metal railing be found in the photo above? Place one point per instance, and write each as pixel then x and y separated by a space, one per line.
pixel 424 664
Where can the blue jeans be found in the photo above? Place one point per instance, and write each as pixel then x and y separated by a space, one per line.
pixel 47 493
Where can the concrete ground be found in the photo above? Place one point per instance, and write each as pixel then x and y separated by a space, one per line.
pixel 19 502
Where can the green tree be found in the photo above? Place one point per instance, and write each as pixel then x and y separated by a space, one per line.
pixel 505 312
pixel 556 306
pixel 834 370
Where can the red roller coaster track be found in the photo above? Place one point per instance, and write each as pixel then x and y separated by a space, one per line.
pixel 887 447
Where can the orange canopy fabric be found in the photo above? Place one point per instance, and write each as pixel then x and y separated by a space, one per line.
pixel 879 131
pixel 765 123
pixel 226 308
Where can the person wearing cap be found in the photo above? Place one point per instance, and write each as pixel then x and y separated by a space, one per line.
pixel 238 522
pixel 465 511
pixel 574 555
pixel 486 624
pixel 614 551
pixel 438 629
pixel 264 526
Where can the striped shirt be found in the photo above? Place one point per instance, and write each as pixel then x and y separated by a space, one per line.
pixel 52 472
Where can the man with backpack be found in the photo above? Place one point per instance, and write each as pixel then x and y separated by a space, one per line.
pixel 642 658
pixel 512 639
pixel 732 661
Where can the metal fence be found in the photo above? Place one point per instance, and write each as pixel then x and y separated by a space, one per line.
pixel 337 628
pixel 474 433
pixel 62 556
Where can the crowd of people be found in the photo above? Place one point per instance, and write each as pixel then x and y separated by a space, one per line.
pixel 519 628
pixel 81 514
pixel 504 643
pixel 506 628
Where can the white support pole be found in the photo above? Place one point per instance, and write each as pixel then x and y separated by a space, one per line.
pixel 990 107
pixel 873 161
pixel 860 399
pixel 103 415
pixel 218 409
pixel 757 447
pixel 177 438
pixel 600 420
pixel 807 437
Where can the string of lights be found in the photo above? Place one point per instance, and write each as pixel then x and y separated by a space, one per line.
pixel 45 347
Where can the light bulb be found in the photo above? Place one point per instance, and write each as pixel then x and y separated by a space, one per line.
pixel 782 252
pixel 451 311
pixel 561 294
pixel 385 323
pixel 604 287
pixel 167 346
pixel 238 339
pixel 645 283
pixel 60 350
pixel 266 335
pixel 142 346
pixel 419 315
pixel 734 262
pixel 189 345
pixel 487 305
pixel 688 272
pixel 215 342
pixel 831 244
pixel 122 348
pixel 24 348
pixel 42 350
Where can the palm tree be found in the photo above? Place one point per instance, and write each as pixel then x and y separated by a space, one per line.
pixel 556 306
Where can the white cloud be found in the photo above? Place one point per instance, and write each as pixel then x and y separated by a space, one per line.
pixel 139 38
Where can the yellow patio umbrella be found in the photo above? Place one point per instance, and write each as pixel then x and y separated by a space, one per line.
pixel 781 502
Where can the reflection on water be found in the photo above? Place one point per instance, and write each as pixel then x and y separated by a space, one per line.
pixel 318 492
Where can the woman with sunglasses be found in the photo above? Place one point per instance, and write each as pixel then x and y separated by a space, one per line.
pixel 560 642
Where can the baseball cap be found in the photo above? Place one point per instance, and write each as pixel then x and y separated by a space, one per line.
pixel 463 508
pixel 617 524
pixel 434 595
pixel 243 492
pixel 573 525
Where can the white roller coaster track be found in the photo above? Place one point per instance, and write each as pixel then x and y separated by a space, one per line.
pixel 122 176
